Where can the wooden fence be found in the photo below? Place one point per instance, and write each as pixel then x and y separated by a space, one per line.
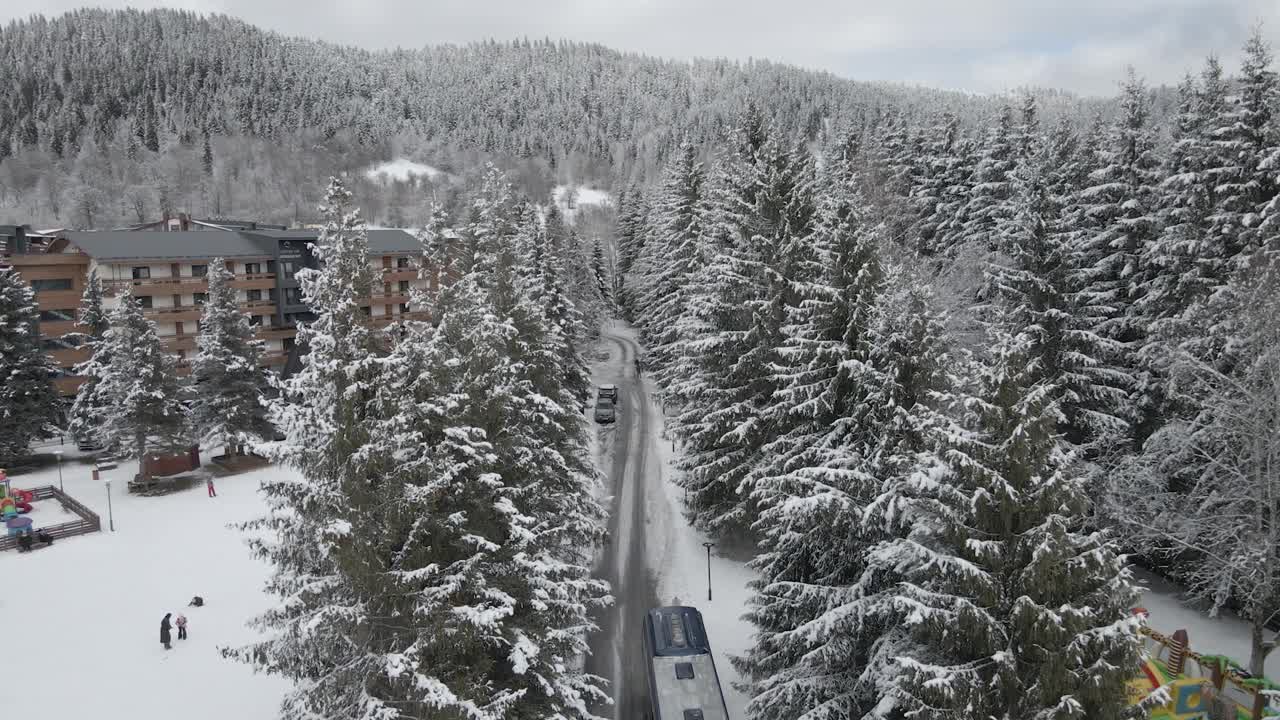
pixel 88 522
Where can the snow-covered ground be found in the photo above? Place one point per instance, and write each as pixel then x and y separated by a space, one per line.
pixel 81 619
pixel 402 170
pixel 1224 635
pixel 583 196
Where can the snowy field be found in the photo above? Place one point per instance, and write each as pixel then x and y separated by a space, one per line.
pixel 402 170
pixel 583 196
pixel 82 618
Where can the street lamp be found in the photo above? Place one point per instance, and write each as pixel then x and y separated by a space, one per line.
pixel 111 516
pixel 708 546
pixel 58 453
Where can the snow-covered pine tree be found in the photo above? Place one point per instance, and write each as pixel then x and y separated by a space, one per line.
pixel 597 267
pixel 1122 200
pixel 1203 491
pixel 1184 263
pixel 668 258
pixel 1030 283
pixel 1013 606
pixel 629 229
pixel 521 384
pixel 227 404
pixel 979 217
pixel 141 385
pixel 28 400
pixel 760 215
pixel 860 367
pixel 89 411
pixel 943 185
pixel 328 529
pixel 494 611
pixel 1247 136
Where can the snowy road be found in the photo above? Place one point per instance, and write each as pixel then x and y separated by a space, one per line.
pixel 617 652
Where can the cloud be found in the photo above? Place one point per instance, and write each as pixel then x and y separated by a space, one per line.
pixel 976 45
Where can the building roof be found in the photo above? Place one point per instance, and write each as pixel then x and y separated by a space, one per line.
pixel 124 245
pixel 381 242
pixel 160 245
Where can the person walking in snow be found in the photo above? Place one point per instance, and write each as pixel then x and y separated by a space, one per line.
pixel 164 632
pixel 209 483
pixel 181 623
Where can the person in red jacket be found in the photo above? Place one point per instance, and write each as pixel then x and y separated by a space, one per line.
pixel 181 624
pixel 209 483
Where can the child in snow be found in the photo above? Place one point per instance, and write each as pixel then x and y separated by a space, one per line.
pixel 181 622
pixel 209 483
pixel 196 601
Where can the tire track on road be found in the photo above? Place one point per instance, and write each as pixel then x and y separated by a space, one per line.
pixel 617 648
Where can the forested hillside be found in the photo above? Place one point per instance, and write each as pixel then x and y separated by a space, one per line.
pixel 119 115
pixel 937 382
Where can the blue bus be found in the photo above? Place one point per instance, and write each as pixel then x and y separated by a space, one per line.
pixel 683 684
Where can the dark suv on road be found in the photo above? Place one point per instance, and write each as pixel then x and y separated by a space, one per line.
pixel 605 411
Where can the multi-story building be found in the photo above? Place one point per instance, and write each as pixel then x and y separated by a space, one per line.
pixel 166 271
pixel 58 280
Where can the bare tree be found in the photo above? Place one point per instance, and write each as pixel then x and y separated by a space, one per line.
pixel 1206 489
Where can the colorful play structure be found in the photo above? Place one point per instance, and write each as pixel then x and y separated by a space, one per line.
pixel 1196 686
pixel 12 500
pixel 14 504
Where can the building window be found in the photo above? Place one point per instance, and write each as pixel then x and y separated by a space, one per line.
pixel 145 301
pixel 288 344
pixel 271 266
pixel 200 298
pixel 199 271
pixel 404 286
pixel 402 263
pixel 288 268
pixel 252 268
pixel 142 272
pixel 404 308
pixel 368 311
pixel 57 315
pixel 292 296
pixel 272 295
pixel 51 284
pixel 254 295
pixel 177 328
pixel 255 320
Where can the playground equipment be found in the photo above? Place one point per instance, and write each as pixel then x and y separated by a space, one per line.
pixel 1196 686
pixel 13 501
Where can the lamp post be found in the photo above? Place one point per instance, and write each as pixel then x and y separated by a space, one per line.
pixel 111 516
pixel 58 453
pixel 708 546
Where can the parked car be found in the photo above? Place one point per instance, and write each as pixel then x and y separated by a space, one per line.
pixel 88 445
pixel 605 411
pixel 608 391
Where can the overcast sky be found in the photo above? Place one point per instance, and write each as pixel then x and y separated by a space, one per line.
pixel 977 45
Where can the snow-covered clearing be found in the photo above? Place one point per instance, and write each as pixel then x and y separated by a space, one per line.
pixel 81 619
pixel 402 170
pixel 1224 635
pixel 582 196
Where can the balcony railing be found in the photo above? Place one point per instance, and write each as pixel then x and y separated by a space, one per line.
pixel 157 286
pixel 276 333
